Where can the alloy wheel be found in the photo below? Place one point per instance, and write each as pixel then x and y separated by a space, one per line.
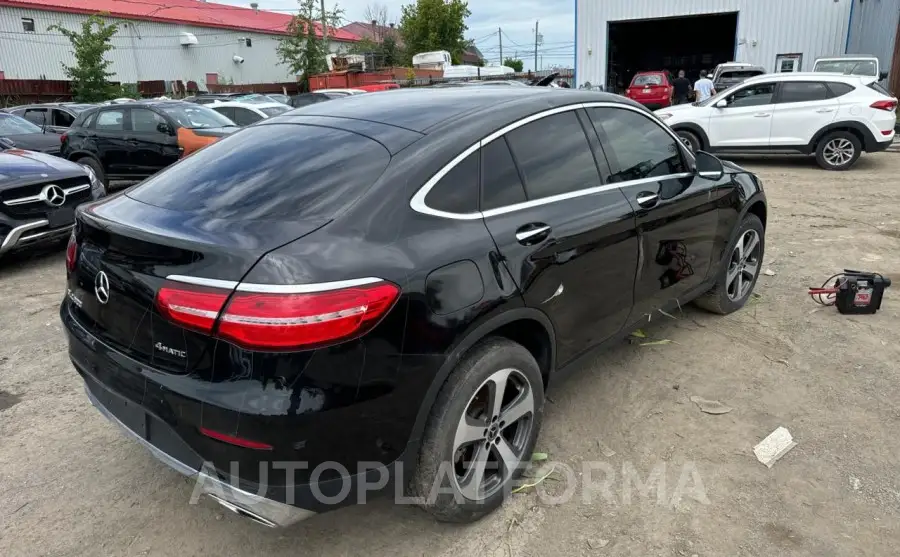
pixel 493 433
pixel 743 266
pixel 838 152
pixel 687 143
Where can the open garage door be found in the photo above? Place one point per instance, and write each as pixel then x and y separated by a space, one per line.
pixel 690 43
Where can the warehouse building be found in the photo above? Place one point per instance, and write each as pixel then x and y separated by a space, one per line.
pixel 170 40
pixel 616 38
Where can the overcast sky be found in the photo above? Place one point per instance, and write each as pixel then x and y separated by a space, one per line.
pixel 515 17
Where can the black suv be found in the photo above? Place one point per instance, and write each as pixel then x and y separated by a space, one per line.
pixel 38 196
pixel 378 291
pixel 134 140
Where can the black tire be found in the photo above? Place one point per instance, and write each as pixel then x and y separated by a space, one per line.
pixel 718 299
pixel 690 140
pixel 96 167
pixel 444 500
pixel 838 150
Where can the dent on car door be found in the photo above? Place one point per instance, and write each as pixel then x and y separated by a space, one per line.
pixel 676 210
pixel 567 239
pixel 745 120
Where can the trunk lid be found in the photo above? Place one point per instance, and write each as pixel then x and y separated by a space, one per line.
pixel 119 270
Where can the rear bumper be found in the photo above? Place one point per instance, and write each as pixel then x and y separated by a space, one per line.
pixel 31 234
pixel 260 509
pixel 877 146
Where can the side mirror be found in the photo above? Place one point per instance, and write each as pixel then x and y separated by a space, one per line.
pixel 708 166
pixel 882 76
pixel 162 127
pixel 722 104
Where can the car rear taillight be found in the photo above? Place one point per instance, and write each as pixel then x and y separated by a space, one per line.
pixel 62 138
pixel 889 104
pixel 277 321
pixel 71 253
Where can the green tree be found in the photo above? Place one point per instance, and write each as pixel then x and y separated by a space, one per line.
pixel 430 25
pixel 90 75
pixel 303 51
pixel 514 63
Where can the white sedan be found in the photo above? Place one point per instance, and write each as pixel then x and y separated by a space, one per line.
pixel 244 114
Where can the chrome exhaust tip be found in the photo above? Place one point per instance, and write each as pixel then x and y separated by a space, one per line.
pixel 243 512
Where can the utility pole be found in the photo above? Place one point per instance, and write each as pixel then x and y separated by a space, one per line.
pixel 324 27
pixel 536 35
pixel 500 35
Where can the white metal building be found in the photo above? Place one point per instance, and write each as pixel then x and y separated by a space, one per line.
pixel 615 38
pixel 188 40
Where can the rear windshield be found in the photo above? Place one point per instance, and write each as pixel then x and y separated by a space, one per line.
pixel 650 79
pixel 877 87
pixel 740 74
pixel 849 67
pixel 276 171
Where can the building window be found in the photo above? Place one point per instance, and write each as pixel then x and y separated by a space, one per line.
pixel 28 24
pixel 212 79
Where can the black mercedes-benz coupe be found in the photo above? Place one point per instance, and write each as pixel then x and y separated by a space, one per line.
pixel 375 294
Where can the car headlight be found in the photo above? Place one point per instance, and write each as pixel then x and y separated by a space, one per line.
pixel 96 185
pixel 664 115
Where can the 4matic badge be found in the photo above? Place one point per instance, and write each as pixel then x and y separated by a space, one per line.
pixel 171 351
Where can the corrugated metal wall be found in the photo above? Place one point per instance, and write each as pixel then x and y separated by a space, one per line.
pixel 766 28
pixel 144 50
pixel 873 28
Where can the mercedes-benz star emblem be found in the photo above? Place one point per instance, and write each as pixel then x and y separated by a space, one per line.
pixel 53 195
pixel 101 287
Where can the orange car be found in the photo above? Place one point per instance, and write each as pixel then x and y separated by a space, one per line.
pixel 131 141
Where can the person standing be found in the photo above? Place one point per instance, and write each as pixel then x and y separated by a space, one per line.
pixel 682 88
pixel 703 87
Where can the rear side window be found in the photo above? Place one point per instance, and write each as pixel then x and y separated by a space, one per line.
pixel 877 87
pixel 62 118
pixel 839 89
pixel 554 156
pixel 802 91
pixel 244 117
pixel 640 147
pixel 285 171
pixel 457 191
pixel 500 182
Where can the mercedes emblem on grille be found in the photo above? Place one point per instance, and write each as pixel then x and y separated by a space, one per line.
pixel 101 287
pixel 53 195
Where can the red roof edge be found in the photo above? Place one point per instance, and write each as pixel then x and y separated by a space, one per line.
pixel 336 34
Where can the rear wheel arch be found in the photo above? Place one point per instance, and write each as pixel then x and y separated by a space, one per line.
pixel 527 326
pixel 863 134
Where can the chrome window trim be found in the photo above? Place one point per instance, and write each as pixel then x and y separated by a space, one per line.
pixel 417 203
pixel 273 288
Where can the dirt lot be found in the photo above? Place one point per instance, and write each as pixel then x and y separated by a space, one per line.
pixel 71 484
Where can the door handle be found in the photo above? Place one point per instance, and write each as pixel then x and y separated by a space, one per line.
pixel 823 110
pixel 647 199
pixel 532 233
pixel 761 115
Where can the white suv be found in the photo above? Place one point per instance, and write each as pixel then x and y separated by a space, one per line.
pixel 834 116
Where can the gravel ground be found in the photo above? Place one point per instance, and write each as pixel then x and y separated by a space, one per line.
pixel 71 484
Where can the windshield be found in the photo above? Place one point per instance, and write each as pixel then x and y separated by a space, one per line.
pixel 275 110
pixel 649 79
pixel 851 67
pixel 196 116
pixel 13 125
pixel 254 98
